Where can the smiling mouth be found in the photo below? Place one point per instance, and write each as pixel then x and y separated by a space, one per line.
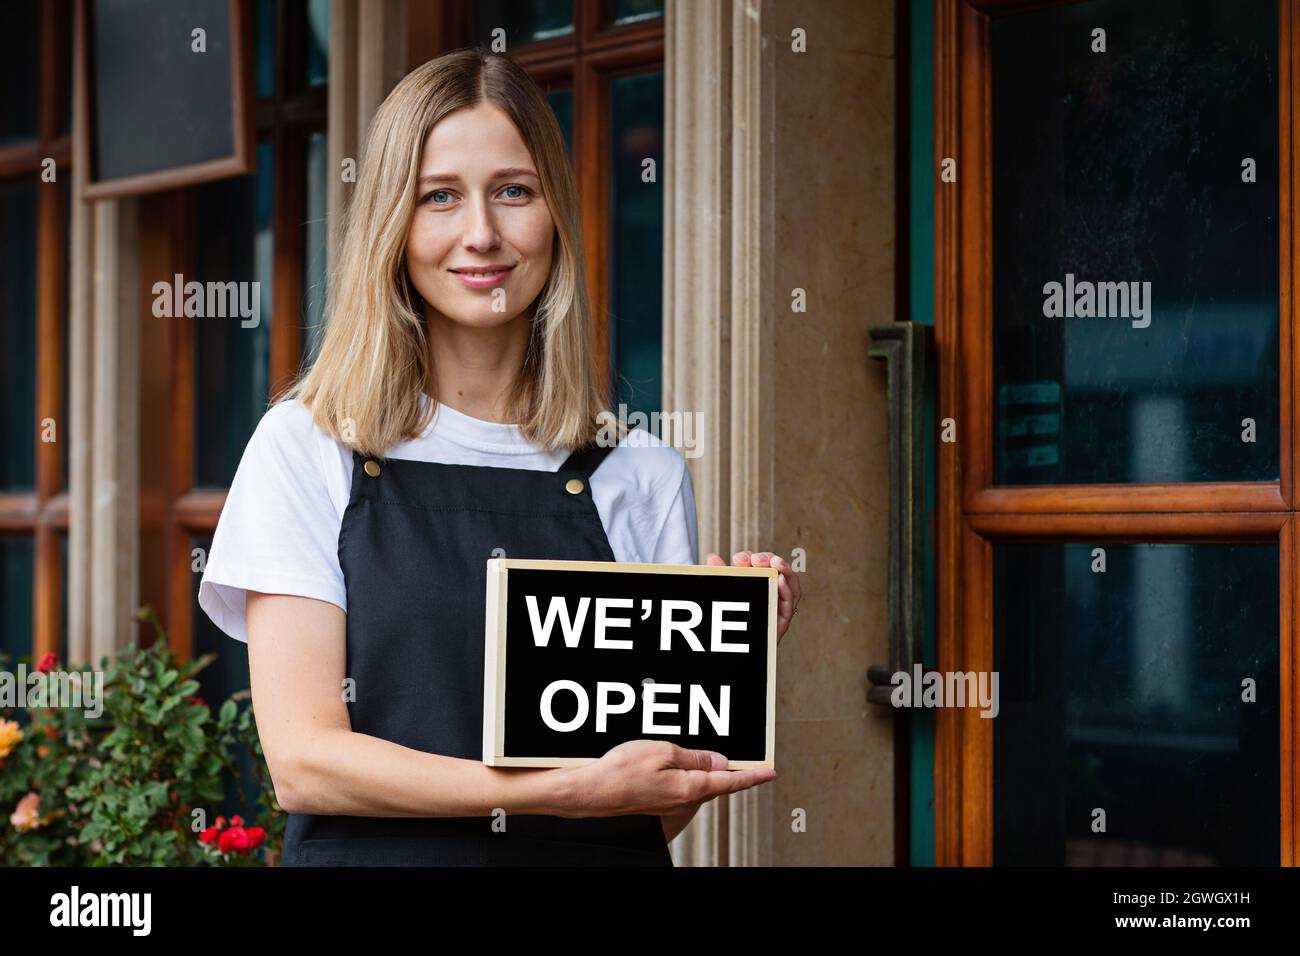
pixel 484 272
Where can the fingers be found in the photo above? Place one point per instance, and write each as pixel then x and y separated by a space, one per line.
pixel 733 781
pixel 705 760
pixel 715 560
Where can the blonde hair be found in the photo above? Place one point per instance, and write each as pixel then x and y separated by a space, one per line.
pixel 373 363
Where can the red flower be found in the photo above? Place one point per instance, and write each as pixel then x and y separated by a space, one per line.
pixel 220 822
pixel 234 840
pixel 209 835
pixel 236 821
pixel 47 663
pixel 196 701
pixel 255 836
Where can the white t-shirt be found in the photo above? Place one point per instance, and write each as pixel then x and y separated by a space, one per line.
pixel 279 529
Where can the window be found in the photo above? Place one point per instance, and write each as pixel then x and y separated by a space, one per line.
pixel 201 405
pixel 35 74
pixel 1117 534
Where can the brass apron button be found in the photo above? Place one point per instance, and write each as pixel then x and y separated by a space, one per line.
pixel 372 469
pixel 573 486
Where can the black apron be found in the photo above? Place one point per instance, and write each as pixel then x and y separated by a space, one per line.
pixel 413 547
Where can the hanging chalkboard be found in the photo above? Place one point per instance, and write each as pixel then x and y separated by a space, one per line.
pixel 165 94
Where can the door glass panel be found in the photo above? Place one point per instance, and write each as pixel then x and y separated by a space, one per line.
pixel 19 71
pixel 1118 176
pixel 1122 691
pixel 16 596
pixel 636 240
pixel 232 352
pixel 523 20
pixel 226 675
pixel 316 234
pixel 18 423
pixel 561 101
pixel 318 42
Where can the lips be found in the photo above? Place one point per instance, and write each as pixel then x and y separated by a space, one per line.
pixel 482 271
pixel 482 277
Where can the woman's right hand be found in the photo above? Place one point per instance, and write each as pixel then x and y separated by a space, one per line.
pixel 654 777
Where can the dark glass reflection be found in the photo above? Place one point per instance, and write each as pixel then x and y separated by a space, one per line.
pixel 18 420
pixel 232 359
pixel 19 70
pixel 1123 691
pixel 631 11
pixel 1126 167
pixel 318 42
pixel 523 20
pixel 562 103
pixel 226 675
pixel 64 18
pixel 316 234
pixel 16 597
pixel 636 240
pixel 264 41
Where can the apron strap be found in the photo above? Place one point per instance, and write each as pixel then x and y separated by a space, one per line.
pixel 586 459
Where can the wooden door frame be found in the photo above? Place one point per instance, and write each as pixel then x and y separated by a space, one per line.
pixel 973 515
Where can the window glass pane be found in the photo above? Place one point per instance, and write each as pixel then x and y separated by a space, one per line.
pixel 1118 176
pixel 19 70
pixel 223 677
pixel 232 352
pixel 636 240
pixel 562 103
pixel 1122 691
pixel 16 595
pixel 523 20
pixel 317 212
pixel 318 42
pixel 264 36
pixel 64 19
pixel 18 334
pixel 631 11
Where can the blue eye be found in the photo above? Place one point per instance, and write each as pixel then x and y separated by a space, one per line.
pixel 437 192
pixel 522 191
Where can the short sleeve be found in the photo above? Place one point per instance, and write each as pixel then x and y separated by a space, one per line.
pixel 677 541
pixel 278 531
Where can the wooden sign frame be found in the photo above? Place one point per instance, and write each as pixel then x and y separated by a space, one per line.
pixel 241 162
pixel 494 652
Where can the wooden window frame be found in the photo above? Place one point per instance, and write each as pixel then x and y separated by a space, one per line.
pixel 973 515
pixel 173 510
pixel 43 512
pixel 591 58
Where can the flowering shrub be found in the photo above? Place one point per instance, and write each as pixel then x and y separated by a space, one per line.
pixel 131 786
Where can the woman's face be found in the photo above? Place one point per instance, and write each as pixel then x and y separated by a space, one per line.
pixel 479 245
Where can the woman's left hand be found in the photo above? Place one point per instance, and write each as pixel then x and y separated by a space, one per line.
pixel 787 585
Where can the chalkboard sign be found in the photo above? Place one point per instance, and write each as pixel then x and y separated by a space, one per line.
pixel 581 656
pixel 165 94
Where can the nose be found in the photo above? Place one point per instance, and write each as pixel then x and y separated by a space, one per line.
pixel 480 231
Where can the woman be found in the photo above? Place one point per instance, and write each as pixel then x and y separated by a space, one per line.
pixel 453 399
